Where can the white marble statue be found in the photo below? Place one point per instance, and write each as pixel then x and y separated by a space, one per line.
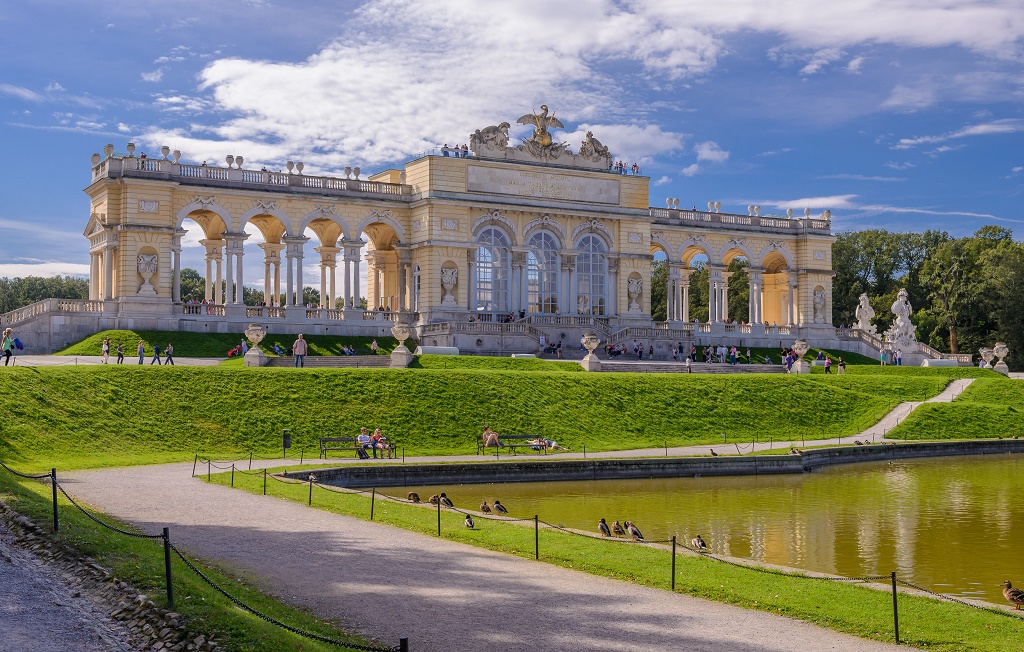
pixel 902 333
pixel 865 313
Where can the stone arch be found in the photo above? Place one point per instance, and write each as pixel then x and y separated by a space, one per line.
pixel 270 209
pixel 777 248
pixel 325 215
pixel 694 247
pixel 198 206
pixel 496 219
pixel 597 228
pixel 658 241
pixel 375 216
pixel 734 249
pixel 549 224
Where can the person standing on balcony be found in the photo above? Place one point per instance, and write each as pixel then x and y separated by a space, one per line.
pixel 299 351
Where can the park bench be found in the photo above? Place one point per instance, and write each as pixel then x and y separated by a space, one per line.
pixel 512 443
pixel 350 444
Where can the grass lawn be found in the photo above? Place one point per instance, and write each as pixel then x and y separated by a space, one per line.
pixel 141 563
pixel 216 345
pixel 109 415
pixel 925 623
pixel 992 406
pixel 492 363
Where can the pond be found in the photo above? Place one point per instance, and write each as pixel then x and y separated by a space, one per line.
pixel 953 524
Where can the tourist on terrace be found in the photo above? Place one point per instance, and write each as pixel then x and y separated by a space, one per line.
pixel 490 438
pixel 883 358
pixel 445 151
pixel 169 355
pixel 465 150
pixel 8 345
pixel 750 360
pixel 899 357
pixel 689 365
pixel 299 351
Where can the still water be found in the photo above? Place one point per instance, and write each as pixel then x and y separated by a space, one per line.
pixel 953 525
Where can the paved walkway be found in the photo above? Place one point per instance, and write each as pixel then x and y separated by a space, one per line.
pixel 386 582
pixel 71 360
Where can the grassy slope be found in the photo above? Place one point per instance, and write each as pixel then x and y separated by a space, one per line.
pixel 116 415
pixel 492 363
pixel 993 406
pixel 926 623
pixel 141 563
pixel 216 345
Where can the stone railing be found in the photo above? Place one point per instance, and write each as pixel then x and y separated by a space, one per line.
pixel 647 333
pixel 962 358
pixel 131 166
pixel 572 321
pixel 513 328
pixel 49 306
pixel 379 315
pixel 745 222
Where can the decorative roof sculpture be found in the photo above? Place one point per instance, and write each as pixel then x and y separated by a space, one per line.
pixel 493 143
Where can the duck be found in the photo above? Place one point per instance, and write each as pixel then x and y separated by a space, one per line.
pixel 498 507
pixel 485 508
pixel 469 522
pixel 445 501
pixel 617 529
pixel 602 527
pixel 433 500
pixel 413 497
pixel 713 453
pixel 634 531
pixel 793 451
pixel 698 543
pixel 1015 596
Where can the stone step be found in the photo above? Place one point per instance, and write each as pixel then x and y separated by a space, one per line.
pixel 349 361
pixel 698 368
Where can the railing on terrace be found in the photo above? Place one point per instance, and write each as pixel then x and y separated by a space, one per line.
pixel 635 332
pixel 142 167
pixel 513 328
pixel 704 218
pixel 47 306
pixel 599 324
pixel 205 309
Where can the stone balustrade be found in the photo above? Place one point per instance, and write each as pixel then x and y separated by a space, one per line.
pixel 676 217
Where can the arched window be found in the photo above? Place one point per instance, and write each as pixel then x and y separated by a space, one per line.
pixel 416 288
pixel 493 271
pixel 591 276
pixel 542 274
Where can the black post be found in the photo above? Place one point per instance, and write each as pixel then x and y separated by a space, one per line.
pixel 439 516
pixel 666 448
pixel 403 643
pixel 207 470
pixel 194 465
pixel 673 562
pixel 264 482
pixel 53 484
pixel 373 499
pixel 232 474
pixel 536 537
pixel 403 462
pixel 895 610
pixel 302 455
pixel 584 451
pixel 311 489
pixel 250 460
pixel 167 566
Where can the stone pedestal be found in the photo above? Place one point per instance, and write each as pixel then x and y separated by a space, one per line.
pixel 801 367
pixel 254 357
pixel 1001 367
pixel 235 310
pixel 401 357
pixel 590 362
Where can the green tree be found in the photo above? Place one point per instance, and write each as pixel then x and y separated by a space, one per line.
pixel 193 285
pixel 739 290
pixel 19 292
pixel 659 290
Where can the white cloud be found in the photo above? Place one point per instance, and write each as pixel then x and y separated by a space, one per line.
pixel 814 203
pixel 942 149
pixel 710 151
pixel 54 86
pixel 776 152
pixel 899 166
pixel 690 170
pixel 1017 169
pixel 630 141
pixel 861 177
pixel 50 268
pixel 855 65
pixel 154 76
pixel 820 59
pixel 663 180
pixel 996 127
pixel 21 92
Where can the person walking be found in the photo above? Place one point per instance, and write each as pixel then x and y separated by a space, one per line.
pixel 299 349
pixel 7 345
pixel 105 350
pixel 156 355
pixel 828 364
pixel 120 353
pixel 689 365
pixel 142 350
pixel 169 355
pixel 841 366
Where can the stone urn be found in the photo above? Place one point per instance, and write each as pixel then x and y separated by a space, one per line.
pixel 1001 351
pixel 401 356
pixel 449 277
pixel 801 366
pixel 987 354
pixel 590 342
pixel 255 357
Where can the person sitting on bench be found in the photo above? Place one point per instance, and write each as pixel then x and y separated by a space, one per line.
pixel 491 438
pixel 364 443
pixel 380 443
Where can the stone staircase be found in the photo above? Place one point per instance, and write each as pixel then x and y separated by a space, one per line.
pixel 336 361
pixel 655 367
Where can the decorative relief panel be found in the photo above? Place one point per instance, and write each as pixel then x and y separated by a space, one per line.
pixel 450 225
pixel 148 206
pixel 819 255
pixel 636 237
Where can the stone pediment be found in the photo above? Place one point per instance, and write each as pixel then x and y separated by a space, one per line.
pixel 493 143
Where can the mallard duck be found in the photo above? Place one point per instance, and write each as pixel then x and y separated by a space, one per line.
pixel 602 527
pixel 433 500
pixel 713 453
pixel 498 507
pixel 485 508
pixel 634 531
pixel 698 543
pixel 413 497
pixel 1015 596
pixel 793 451
pixel 469 522
pixel 445 502
pixel 617 530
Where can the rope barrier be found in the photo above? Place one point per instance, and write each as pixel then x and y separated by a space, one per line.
pixel 107 525
pixel 271 619
pixel 25 475
pixel 959 601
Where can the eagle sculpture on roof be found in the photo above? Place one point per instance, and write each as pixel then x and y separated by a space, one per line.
pixel 541 121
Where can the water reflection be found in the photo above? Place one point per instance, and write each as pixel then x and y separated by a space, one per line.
pixel 948 524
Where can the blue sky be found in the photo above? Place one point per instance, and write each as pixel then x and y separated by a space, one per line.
pixel 900 114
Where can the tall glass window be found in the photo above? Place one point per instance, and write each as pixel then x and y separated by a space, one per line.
pixel 542 274
pixel 493 271
pixel 591 276
pixel 416 288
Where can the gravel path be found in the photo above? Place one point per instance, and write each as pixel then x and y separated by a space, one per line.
pixel 40 612
pixel 386 582
pixel 72 360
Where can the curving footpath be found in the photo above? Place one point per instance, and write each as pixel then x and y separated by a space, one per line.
pixel 385 582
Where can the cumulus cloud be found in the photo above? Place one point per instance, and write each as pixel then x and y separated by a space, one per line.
pixel 710 151
pixel 48 268
pixel 154 76
pixel 663 180
pixel 690 170
pixel 1017 169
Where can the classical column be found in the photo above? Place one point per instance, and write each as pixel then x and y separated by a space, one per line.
pixel 176 257
pixel 355 281
pixel 289 299
pixel 94 276
pixel 323 285
pixel 230 287
pixel 277 282
pixel 724 302
pixel 471 286
pixel 613 287
pixel 670 289
pixel 756 281
pixel 208 281
pixel 239 284
pixel 348 280
pixel 218 294
pixel 108 272
pixel 334 292
pixel 299 285
pixel 684 282
pixel 792 286
pixel 714 281
pixel 267 289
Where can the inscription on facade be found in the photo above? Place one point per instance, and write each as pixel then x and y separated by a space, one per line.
pixel 542 185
